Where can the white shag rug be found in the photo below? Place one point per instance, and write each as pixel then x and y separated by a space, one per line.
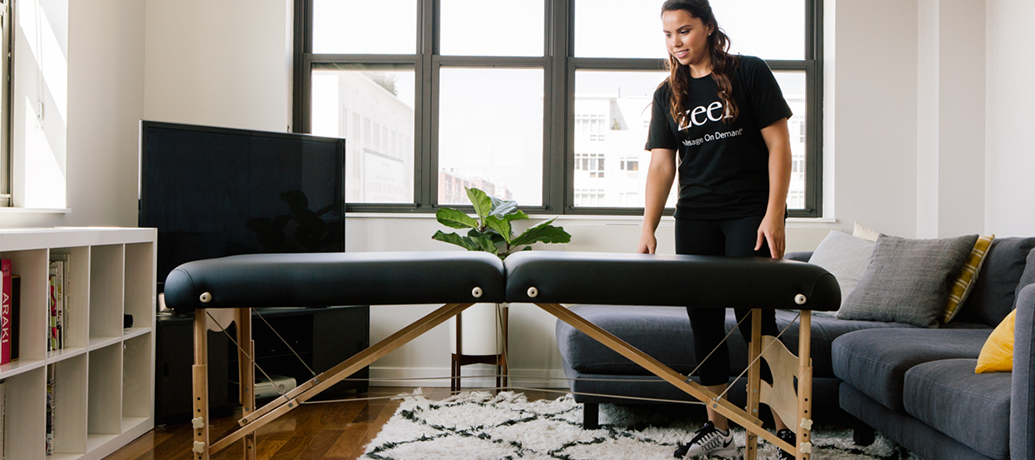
pixel 483 425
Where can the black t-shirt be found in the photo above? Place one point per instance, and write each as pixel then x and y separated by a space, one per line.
pixel 724 165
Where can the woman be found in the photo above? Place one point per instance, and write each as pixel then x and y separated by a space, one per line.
pixel 726 118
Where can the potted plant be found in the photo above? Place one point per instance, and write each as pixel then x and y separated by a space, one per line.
pixel 492 231
pixel 482 330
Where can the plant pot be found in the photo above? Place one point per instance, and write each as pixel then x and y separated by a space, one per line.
pixel 483 333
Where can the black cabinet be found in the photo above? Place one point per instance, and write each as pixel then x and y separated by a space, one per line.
pixel 321 337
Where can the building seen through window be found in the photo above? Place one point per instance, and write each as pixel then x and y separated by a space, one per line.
pixel 374 113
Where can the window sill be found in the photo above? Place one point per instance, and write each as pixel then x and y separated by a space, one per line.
pixel 14 210
pixel 605 220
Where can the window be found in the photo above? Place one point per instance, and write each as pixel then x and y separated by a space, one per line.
pixel 5 103
pixel 591 163
pixel 537 117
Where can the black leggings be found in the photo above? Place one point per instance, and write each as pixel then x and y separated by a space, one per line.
pixel 732 237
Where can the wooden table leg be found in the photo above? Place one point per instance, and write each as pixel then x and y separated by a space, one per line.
pixel 753 382
pixel 454 381
pixel 803 426
pixel 505 371
pixel 246 372
pixel 200 420
pixel 733 413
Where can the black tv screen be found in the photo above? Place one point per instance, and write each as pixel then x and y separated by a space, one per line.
pixel 214 192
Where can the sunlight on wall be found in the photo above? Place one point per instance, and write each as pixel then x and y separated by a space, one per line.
pixel 44 176
pixel 41 99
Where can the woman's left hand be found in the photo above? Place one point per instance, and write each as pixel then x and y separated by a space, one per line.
pixel 772 231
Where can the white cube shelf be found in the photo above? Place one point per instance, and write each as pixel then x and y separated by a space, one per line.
pixel 104 375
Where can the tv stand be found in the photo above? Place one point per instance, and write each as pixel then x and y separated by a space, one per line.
pixel 322 337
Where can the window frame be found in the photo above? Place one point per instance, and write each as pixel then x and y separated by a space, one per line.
pixel 6 104
pixel 559 66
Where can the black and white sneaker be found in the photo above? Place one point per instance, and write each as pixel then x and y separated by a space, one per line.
pixel 708 442
pixel 789 437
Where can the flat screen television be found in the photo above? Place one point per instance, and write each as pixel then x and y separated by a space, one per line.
pixel 214 192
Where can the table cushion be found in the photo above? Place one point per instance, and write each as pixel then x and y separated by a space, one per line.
pixel 669 280
pixel 321 279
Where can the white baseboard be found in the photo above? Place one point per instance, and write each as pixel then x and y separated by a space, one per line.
pixel 474 376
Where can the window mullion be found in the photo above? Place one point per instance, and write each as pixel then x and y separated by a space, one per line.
pixel 425 185
pixel 555 184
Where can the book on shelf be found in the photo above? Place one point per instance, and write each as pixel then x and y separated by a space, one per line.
pixel 57 264
pixel 6 320
pixel 50 410
pixel 16 308
pixel 51 313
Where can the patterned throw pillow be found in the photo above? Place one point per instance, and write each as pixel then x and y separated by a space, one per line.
pixel 965 282
pixel 997 353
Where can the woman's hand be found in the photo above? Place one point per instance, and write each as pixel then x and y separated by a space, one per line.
pixel 771 231
pixel 648 243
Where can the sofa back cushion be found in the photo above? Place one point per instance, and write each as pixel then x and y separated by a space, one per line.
pixel 993 296
pixel 1028 277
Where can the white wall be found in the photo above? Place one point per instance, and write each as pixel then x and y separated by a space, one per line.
pixel 950 118
pixel 873 70
pixel 219 63
pixel 905 106
pixel 1009 137
pixel 104 63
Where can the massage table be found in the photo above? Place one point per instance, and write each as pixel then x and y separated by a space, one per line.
pixel 546 279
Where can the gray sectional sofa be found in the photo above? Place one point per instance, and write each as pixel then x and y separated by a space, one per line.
pixel 916 386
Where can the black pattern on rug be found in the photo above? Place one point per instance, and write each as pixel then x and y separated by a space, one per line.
pixel 483 425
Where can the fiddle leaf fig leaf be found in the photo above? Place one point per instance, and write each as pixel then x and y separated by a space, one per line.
pixel 503 208
pixel 454 219
pixel 487 239
pixel 519 215
pixel 485 243
pixel 544 233
pixel 482 203
pixel 501 226
pixel 458 240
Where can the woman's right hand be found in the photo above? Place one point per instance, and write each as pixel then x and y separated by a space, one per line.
pixel 648 243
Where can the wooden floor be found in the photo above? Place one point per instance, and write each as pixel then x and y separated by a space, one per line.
pixel 334 431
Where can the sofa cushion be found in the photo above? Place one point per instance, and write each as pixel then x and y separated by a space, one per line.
pixel 875 361
pixel 908 280
pixel 921 440
pixel 994 293
pixel 661 332
pixel 664 333
pixel 973 409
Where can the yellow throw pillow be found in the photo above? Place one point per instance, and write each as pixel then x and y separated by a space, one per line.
pixel 997 353
pixel 967 278
pixel 862 232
